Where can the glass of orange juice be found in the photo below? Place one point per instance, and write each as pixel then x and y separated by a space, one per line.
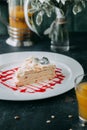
pixel 81 94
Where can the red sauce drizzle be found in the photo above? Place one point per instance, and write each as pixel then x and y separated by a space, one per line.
pixel 6 78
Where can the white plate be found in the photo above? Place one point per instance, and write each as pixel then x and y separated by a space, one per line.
pixel 70 68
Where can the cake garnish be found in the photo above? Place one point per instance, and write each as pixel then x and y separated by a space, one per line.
pixel 44 60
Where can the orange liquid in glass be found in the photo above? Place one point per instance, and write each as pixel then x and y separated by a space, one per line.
pixel 16 17
pixel 81 92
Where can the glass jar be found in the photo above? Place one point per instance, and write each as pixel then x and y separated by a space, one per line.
pixel 59 36
pixel 18 30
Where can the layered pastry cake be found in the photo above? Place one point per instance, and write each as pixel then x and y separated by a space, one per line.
pixel 34 70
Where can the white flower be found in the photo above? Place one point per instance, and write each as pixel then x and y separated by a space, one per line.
pixel 42 1
pixel 63 1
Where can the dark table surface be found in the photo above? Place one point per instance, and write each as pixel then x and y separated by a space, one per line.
pixel 55 113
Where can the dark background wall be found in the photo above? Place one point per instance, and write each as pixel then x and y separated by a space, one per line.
pixel 76 23
pixel 4 15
